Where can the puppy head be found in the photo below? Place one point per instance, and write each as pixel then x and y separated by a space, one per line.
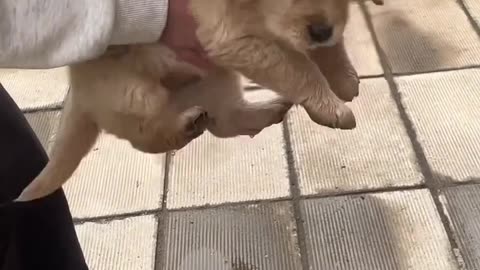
pixel 308 24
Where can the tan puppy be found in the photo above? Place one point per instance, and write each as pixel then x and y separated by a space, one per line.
pixel 276 43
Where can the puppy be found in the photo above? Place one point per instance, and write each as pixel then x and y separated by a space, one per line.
pixel 141 93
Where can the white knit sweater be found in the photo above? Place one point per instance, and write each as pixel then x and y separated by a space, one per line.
pixel 53 33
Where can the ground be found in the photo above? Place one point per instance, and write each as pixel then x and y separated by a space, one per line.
pixel 398 192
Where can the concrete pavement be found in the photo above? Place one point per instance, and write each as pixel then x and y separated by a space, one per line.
pixel 399 192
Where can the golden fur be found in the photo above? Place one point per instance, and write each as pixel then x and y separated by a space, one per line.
pixel 141 93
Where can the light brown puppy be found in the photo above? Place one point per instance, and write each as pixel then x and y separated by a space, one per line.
pixel 276 43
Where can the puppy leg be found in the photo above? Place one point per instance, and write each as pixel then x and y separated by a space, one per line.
pixel 246 112
pixel 290 73
pixel 252 118
pixel 232 110
pixel 243 118
pixel 257 110
pixel 339 71
pixel 76 136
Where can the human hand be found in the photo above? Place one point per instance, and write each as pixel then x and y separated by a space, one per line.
pixel 179 35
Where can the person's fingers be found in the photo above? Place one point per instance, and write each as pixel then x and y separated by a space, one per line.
pixel 180 35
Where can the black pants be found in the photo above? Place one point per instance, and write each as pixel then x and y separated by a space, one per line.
pixel 33 235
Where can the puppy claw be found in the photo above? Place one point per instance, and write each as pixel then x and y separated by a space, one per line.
pixel 345 118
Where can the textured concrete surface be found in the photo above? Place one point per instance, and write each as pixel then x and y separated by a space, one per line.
pixel 45 125
pixel 376 154
pixel 473 8
pixel 36 89
pixel 120 244
pixel 399 230
pixel 444 108
pixel 425 35
pixel 214 171
pixel 360 46
pixel 397 193
pixel 463 206
pixel 233 238
pixel 118 179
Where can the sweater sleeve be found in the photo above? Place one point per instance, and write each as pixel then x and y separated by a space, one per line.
pixel 53 33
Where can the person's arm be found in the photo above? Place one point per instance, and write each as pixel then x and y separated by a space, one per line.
pixel 53 33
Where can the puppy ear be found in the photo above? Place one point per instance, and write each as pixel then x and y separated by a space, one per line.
pixel 378 2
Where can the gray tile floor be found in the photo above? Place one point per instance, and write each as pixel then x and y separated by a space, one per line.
pixel 402 191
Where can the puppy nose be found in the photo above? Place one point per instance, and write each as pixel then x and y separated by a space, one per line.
pixel 320 32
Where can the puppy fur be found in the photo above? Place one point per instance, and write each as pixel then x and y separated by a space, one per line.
pixel 143 94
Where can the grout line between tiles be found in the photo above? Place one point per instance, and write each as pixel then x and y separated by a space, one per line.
pixel 101 219
pixel 162 218
pixel 432 185
pixel 251 87
pixel 459 184
pixel 52 108
pixel 402 74
pixel 157 212
pixel 229 204
pixel 472 21
pixel 301 197
pixel 59 107
pixel 108 218
pixel 364 192
pixel 296 196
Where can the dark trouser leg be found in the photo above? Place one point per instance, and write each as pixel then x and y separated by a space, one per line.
pixel 38 234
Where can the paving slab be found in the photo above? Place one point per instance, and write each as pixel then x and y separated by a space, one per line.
pixel 233 238
pixel 473 8
pixel 45 125
pixel 359 44
pixel 114 178
pixel 444 109
pixel 463 207
pixel 127 244
pixel 400 230
pixel 36 89
pixel 216 171
pixel 377 154
pixel 425 35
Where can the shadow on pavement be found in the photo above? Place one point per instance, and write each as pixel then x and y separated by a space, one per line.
pixel 359 232
pixel 410 49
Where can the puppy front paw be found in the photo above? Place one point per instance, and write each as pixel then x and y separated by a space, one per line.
pixel 335 65
pixel 345 84
pixel 330 111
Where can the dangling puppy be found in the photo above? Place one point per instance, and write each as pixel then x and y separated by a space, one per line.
pixel 141 93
